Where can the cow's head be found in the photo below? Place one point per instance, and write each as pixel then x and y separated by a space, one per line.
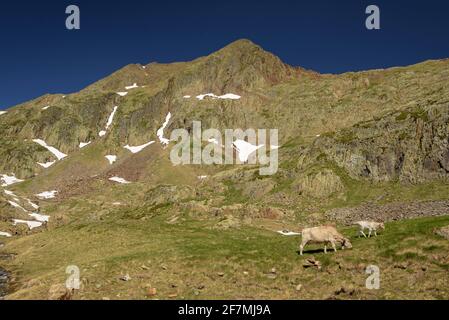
pixel 346 244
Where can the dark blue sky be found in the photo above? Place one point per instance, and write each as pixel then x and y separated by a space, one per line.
pixel 39 55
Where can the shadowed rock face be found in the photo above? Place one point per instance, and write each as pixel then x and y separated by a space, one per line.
pixel 3 282
pixel 410 146
pixel 4 278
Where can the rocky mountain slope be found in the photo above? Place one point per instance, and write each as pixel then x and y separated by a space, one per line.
pixel 351 146
pixel 336 131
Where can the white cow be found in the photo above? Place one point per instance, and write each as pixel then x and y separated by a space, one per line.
pixel 371 226
pixel 323 234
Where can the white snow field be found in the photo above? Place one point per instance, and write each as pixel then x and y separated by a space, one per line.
pixel 137 149
pixel 228 96
pixel 111 117
pixel 132 86
pixel 3 112
pixel 119 180
pixel 16 205
pixel 8 180
pixel 108 124
pixel 47 164
pixel 31 224
pixel 35 206
pixel 47 194
pixel 111 158
pixel 39 217
pixel 10 193
pixel 84 144
pixel 160 132
pixel 122 94
pixel 245 149
pixel 58 154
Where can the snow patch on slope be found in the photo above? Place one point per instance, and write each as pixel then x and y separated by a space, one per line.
pixel 228 96
pixel 137 149
pixel 9 180
pixel 132 87
pixel 47 164
pixel 119 180
pixel 5 234
pixel 84 144
pixel 10 193
pixel 31 224
pixel 108 124
pixel 111 118
pixel 111 158
pixel 3 112
pixel 47 194
pixel 39 217
pixel 245 149
pixel 35 206
pixel 16 205
pixel 58 154
pixel 122 94
pixel 160 132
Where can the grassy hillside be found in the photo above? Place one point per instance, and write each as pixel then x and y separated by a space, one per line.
pixel 189 260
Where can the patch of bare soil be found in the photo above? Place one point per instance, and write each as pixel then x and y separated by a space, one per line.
pixel 137 165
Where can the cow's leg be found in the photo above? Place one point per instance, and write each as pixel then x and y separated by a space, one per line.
pixel 375 233
pixel 325 249
pixel 369 234
pixel 301 247
pixel 363 233
pixel 333 246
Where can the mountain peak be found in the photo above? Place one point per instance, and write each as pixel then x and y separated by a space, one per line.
pixel 246 64
pixel 242 44
pixel 242 47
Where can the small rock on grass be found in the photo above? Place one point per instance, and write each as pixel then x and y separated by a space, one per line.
pixel 401 265
pixel 311 262
pixel 151 292
pixel 126 277
pixel 271 276
pixel 298 287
